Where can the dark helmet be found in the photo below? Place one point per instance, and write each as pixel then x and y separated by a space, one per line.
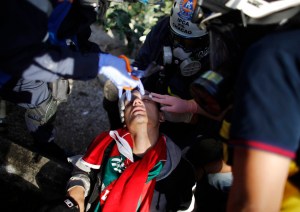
pixel 190 43
pixel 228 40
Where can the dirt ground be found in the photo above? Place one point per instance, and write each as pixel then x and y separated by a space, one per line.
pixel 77 122
pixel 25 184
pixel 79 119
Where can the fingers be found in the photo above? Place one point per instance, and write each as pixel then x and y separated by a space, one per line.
pixel 158 96
pixel 141 88
pixel 167 108
pixel 121 105
pixel 129 89
pixel 120 91
pixel 128 95
pixel 162 99
pixel 122 102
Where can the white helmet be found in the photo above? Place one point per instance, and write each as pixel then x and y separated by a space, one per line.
pixel 253 9
pixel 181 19
pixel 261 8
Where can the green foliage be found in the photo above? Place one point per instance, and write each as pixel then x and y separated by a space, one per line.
pixel 133 21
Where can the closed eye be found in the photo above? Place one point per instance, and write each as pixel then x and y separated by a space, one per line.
pixel 146 98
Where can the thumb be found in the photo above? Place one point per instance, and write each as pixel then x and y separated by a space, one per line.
pixel 141 88
pixel 128 95
pixel 120 91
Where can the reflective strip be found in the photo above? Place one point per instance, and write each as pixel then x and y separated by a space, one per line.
pixel 224 131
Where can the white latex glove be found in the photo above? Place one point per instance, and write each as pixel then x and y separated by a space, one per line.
pixel 119 71
pixel 121 105
pixel 175 104
pixel 178 117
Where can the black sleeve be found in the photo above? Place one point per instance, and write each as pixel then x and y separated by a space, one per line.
pixel 177 187
pixel 152 47
pixel 78 22
pixel 50 63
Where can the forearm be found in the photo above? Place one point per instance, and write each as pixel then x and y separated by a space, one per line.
pixel 259 179
pixel 50 63
pixel 78 186
pixel 77 193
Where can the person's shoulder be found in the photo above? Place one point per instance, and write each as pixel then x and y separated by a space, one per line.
pixel 173 158
pixel 172 148
pixel 161 28
pixel 164 21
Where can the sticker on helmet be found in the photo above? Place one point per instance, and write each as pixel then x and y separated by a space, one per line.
pixel 186 9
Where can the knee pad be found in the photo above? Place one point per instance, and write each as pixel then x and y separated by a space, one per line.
pixel 110 91
pixel 40 115
pixel 61 89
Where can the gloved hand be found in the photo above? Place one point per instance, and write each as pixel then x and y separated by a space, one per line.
pixel 178 117
pixel 175 104
pixel 121 105
pixel 119 71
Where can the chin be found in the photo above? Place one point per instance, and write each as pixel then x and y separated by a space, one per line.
pixel 140 120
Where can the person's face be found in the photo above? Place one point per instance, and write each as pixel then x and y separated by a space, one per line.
pixel 141 110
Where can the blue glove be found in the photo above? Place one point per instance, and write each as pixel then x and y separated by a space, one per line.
pixel 119 71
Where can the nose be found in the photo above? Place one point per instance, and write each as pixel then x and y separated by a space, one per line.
pixel 137 102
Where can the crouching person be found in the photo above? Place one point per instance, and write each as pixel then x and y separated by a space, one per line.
pixel 137 168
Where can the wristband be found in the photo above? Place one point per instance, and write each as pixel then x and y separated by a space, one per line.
pixel 70 202
pixel 65 204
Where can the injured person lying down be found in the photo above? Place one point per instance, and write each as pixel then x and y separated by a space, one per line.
pixel 134 168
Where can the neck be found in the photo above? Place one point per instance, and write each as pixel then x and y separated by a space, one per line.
pixel 143 139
